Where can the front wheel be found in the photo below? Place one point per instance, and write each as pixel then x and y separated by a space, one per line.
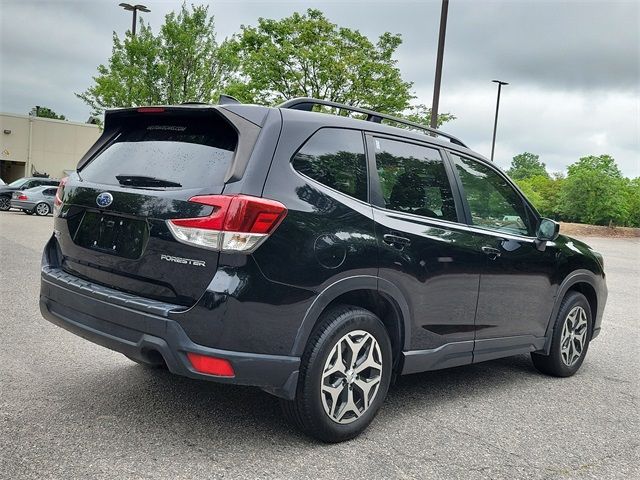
pixel 42 209
pixel 571 335
pixel 344 375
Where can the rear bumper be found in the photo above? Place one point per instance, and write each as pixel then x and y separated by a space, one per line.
pixel 139 329
pixel 22 205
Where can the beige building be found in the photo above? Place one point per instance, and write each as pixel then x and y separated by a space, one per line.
pixel 31 145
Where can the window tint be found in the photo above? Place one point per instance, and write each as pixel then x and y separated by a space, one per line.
pixel 494 204
pixel 49 192
pixel 414 180
pixel 193 152
pixel 335 158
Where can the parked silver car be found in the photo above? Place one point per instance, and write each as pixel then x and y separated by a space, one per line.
pixel 38 200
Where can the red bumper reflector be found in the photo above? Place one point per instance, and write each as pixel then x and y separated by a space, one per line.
pixel 211 365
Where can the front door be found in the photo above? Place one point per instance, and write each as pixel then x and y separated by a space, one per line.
pixel 517 288
pixel 425 250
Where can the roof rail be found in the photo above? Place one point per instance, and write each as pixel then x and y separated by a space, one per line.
pixel 307 104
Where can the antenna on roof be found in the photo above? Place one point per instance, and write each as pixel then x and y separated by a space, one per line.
pixel 227 99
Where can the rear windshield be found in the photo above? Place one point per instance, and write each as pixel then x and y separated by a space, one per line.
pixel 192 152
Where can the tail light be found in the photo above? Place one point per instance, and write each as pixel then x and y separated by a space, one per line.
pixel 238 223
pixel 57 202
pixel 22 196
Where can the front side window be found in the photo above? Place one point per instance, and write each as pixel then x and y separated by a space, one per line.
pixel 414 180
pixel 494 204
pixel 335 157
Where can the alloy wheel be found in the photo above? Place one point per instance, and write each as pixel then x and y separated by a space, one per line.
pixel 42 209
pixel 574 336
pixel 351 376
pixel 5 203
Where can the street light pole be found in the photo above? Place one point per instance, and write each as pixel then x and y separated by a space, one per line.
pixel 495 122
pixel 134 9
pixel 439 58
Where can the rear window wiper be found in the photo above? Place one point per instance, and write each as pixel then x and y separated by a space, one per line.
pixel 144 181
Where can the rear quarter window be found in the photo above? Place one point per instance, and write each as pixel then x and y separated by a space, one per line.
pixel 194 152
pixel 335 157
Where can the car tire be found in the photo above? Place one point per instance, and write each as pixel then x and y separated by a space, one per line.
pixel 344 377
pixel 42 209
pixel 28 212
pixel 571 336
pixel 5 203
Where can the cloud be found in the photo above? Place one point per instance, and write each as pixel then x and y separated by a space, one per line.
pixel 573 66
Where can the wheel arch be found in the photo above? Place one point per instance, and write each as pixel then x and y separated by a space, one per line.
pixel 365 291
pixel 582 281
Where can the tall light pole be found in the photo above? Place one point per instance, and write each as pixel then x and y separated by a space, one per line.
pixel 439 58
pixel 134 9
pixel 495 122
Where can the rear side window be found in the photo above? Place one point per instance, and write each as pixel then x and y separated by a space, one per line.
pixel 192 152
pixel 335 157
pixel 414 180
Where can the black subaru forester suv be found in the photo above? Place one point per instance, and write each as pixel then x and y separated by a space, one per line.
pixel 315 256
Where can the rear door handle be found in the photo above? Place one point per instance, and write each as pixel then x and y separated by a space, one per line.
pixel 491 252
pixel 396 240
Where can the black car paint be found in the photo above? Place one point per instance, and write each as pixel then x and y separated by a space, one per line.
pixel 329 245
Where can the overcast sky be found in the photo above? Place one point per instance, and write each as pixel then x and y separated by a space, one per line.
pixel 573 66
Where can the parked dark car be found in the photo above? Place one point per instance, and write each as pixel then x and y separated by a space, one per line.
pixel 6 191
pixel 314 256
pixel 38 200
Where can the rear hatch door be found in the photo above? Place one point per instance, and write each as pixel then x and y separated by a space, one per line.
pixel 112 224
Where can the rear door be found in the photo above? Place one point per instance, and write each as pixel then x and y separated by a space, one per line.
pixel 424 247
pixel 517 285
pixel 112 226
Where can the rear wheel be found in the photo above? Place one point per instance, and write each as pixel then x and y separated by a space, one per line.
pixel 570 340
pixel 5 203
pixel 344 375
pixel 42 209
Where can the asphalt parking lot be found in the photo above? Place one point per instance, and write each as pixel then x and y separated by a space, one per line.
pixel 70 409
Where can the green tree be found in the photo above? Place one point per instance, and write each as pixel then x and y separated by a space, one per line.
pixel 45 112
pixel 632 194
pixel 531 193
pixel 422 114
pixel 594 192
pixel 544 192
pixel 179 64
pixel 527 165
pixel 305 55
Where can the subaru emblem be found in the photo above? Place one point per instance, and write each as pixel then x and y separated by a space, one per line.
pixel 104 199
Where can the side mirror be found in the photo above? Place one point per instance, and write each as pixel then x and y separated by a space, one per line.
pixel 548 231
